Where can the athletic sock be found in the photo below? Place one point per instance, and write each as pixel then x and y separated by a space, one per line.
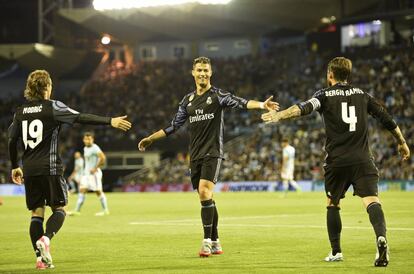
pixel 55 222
pixel 104 203
pixel 377 219
pixel 333 220
pixel 207 214
pixel 285 186
pixel 36 231
pixel 295 185
pixel 214 232
pixel 81 199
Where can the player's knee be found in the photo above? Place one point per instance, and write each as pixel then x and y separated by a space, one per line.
pixel 332 204
pixel 204 193
pixel 58 208
pixel 367 201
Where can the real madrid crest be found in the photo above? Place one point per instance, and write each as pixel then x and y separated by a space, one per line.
pixel 191 97
pixel 209 101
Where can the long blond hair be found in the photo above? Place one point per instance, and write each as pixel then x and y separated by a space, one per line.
pixel 36 85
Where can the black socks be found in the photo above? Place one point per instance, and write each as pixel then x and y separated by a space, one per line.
pixel 36 231
pixel 333 220
pixel 55 222
pixel 207 214
pixel 377 219
pixel 214 233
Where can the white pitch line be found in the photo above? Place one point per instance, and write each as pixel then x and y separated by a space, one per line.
pixel 255 217
pixel 267 225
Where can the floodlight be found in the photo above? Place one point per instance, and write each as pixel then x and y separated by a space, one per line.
pixel 105 40
pixel 129 4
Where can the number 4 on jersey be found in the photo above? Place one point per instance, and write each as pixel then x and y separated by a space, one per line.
pixel 35 130
pixel 351 119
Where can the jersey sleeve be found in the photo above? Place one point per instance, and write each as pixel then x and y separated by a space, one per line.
pixel 227 99
pixel 315 103
pixel 376 110
pixel 97 149
pixel 14 133
pixel 63 113
pixel 179 118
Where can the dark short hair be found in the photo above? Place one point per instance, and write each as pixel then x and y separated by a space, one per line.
pixel 340 67
pixel 36 85
pixel 89 134
pixel 201 60
pixel 285 140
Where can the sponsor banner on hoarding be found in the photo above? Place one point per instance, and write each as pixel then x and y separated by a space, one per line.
pixel 158 188
pixel 11 190
pixel 262 186
pixel 253 186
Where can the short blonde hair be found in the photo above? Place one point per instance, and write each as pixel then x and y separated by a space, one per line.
pixel 341 68
pixel 36 85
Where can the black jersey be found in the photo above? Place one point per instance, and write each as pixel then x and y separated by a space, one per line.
pixel 205 120
pixel 345 110
pixel 37 124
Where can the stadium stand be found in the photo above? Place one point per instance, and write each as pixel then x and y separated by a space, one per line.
pixel 255 153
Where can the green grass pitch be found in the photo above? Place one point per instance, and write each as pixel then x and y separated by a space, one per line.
pixel 260 233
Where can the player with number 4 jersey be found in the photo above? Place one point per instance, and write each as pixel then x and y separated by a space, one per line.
pixel 37 124
pixel 349 161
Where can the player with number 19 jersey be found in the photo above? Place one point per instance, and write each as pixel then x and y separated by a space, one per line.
pixel 38 124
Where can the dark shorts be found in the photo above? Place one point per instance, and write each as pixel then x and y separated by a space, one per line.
pixel 207 168
pixel 363 177
pixel 45 190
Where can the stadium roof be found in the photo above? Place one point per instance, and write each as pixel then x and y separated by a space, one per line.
pixel 197 21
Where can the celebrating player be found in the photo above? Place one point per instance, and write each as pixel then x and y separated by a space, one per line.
pixel 37 123
pixel 348 161
pixel 203 109
pixel 92 175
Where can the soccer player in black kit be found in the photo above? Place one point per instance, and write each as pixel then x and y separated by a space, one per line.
pixel 203 109
pixel 348 161
pixel 36 124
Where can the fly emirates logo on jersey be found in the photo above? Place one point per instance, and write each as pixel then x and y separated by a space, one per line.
pixel 200 116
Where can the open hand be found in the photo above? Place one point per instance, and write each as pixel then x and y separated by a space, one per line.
pixel 121 123
pixel 270 105
pixel 271 117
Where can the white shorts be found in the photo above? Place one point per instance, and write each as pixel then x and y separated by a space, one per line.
pixel 92 182
pixel 77 178
pixel 287 175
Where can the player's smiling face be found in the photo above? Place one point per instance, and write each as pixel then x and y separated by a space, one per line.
pixel 202 74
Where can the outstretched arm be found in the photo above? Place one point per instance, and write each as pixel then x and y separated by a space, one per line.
pixel 227 99
pixel 64 114
pixel 267 105
pixel 179 119
pixel 297 110
pixel 274 117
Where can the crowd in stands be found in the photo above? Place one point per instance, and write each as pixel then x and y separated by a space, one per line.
pixel 149 93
